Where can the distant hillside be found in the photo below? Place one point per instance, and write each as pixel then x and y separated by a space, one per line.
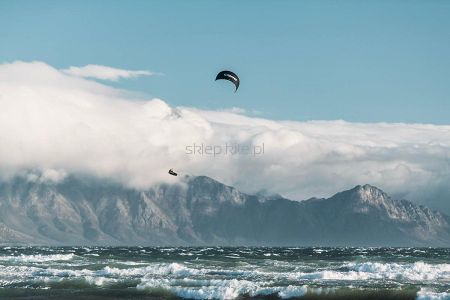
pixel 207 212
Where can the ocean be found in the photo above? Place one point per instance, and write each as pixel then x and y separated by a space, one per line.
pixel 223 273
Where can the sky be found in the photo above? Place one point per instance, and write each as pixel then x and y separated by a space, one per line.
pixel 339 93
pixel 358 61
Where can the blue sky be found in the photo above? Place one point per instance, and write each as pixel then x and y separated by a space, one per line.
pixel 363 61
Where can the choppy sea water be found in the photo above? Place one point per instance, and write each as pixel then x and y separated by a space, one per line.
pixel 223 273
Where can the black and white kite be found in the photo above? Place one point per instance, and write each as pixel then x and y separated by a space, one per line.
pixel 230 76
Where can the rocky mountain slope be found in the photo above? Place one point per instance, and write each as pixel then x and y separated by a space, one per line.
pixel 203 211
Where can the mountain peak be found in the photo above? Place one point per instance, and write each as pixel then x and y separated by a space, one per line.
pixel 366 187
pixel 369 194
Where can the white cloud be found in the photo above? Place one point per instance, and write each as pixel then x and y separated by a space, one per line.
pixel 45 175
pixel 61 124
pixel 234 109
pixel 105 73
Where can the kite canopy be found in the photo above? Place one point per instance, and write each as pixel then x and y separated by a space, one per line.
pixel 171 172
pixel 230 76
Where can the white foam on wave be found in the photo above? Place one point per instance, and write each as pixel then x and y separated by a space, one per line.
pixel 43 276
pixel 149 270
pixel 319 251
pixel 99 281
pixel 172 269
pixel 131 263
pixel 221 289
pixel 426 294
pixel 38 258
pixel 418 271
pixel 48 275
pixel 18 273
pixel 292 291
pixel 52 272
pixel 15 274
pixel 411 272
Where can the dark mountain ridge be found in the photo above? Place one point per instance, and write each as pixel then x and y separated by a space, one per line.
pixel 202 211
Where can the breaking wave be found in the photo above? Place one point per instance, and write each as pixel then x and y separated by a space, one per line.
pixel 227 273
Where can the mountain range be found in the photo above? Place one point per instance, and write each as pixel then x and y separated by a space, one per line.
pixel 201 211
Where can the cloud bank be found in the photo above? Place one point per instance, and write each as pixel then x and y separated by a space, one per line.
pixel 54 124
pixel 105 73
